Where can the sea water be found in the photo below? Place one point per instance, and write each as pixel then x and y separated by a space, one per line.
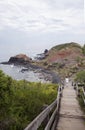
pixel 16 73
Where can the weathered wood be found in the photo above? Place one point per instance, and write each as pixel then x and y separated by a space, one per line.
pixel 55 123
pixel 51 120
pixel 34 125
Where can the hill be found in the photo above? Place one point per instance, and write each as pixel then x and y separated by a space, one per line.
pixel 64 52
pixel 64 57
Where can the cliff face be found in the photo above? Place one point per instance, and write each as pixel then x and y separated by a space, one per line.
pixel 18 59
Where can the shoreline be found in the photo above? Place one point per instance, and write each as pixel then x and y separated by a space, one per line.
pixel 45 74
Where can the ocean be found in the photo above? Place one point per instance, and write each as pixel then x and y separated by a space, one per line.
pixel 16 73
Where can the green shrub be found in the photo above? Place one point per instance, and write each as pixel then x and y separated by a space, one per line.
pixel 22 101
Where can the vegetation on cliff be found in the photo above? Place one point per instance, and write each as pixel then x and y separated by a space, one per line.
pixel 63 46
pixel 22 101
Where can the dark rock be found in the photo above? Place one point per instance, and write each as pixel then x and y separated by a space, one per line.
pixel 5 63
pixel 23 70
pixel 20 59
pixel 46 51
pixel 42 55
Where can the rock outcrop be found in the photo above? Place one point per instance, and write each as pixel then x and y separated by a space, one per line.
pixel 42 56
pixel 20 59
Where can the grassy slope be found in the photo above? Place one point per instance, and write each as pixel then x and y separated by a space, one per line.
pixel 63 46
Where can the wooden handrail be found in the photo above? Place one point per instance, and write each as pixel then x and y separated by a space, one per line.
pixel 83 91
pixel 48 126
pixel 34 125
pixel 82 95
pixel 52 118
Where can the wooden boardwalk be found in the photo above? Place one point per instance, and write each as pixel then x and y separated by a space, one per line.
pixel 70 112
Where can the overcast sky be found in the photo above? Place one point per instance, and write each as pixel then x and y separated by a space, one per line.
pixel 30 26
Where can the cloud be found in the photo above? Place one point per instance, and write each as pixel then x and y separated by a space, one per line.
pixel 30 26
pixel 40 15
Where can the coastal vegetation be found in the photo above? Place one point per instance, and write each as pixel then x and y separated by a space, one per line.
pixel 22 101
pixel 65 45
pixel 80 79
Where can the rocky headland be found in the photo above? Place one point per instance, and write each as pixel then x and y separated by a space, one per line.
pixel 20 59
pixel 29 64
pixel 65 59
pixel 60 61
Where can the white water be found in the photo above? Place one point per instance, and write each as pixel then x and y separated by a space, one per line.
pixel 15 73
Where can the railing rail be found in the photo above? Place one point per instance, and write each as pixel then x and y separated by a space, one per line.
pixel 35 124
pixel 39 119
pixel 82 95
pixel 52 122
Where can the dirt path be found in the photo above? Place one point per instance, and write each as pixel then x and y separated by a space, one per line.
pixel 70 112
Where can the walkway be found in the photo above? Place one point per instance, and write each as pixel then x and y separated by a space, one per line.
pixel 70 113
